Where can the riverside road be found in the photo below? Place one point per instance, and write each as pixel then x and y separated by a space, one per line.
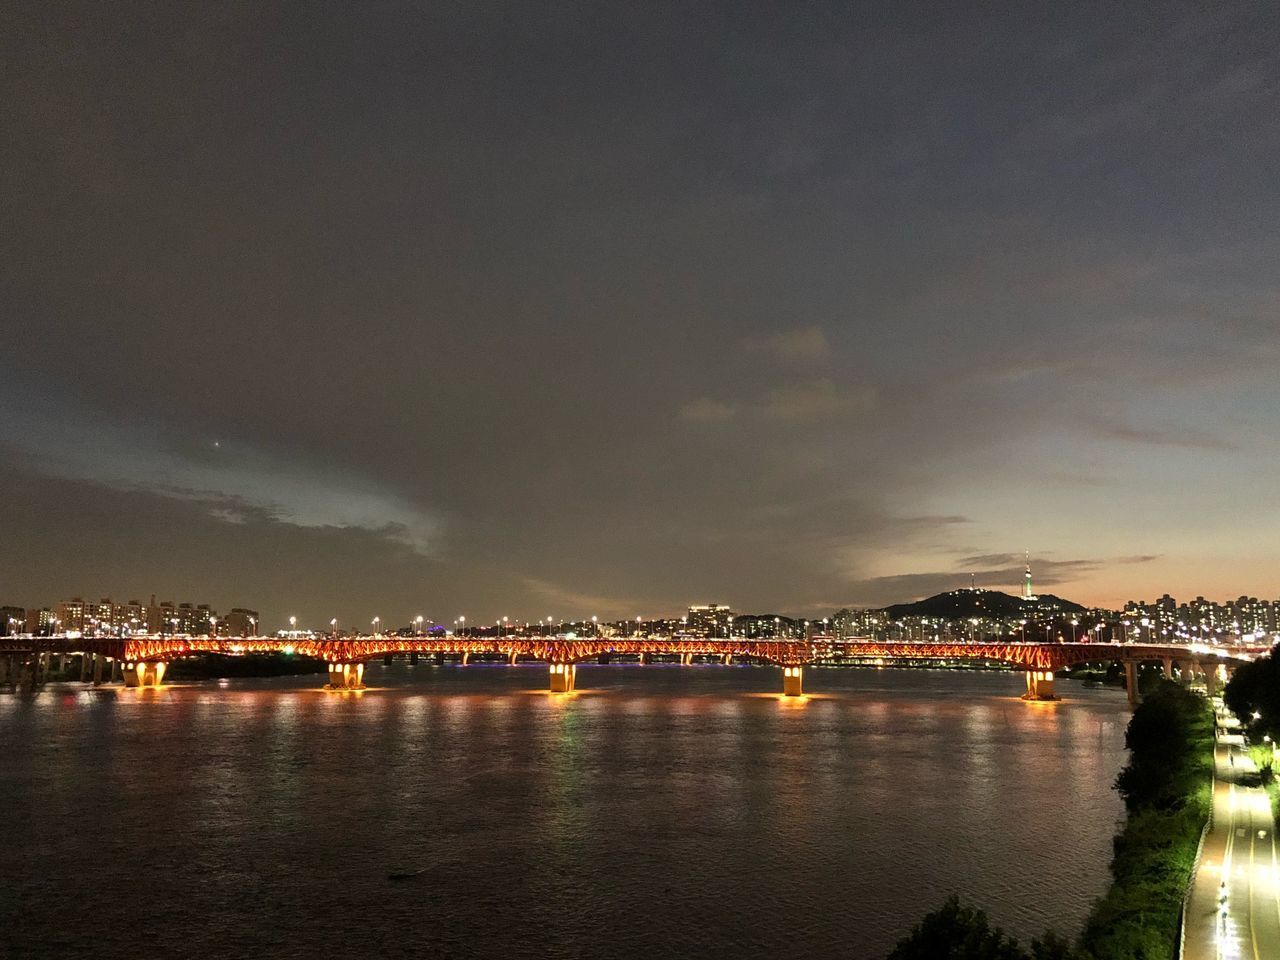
pixel 1233 910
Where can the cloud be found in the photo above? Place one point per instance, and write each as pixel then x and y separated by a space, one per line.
pixel 236 483
pixel 905 587
pixel 804 402
pixel 814 400
pixel 805 345
pixel 1161 436
pixel 575 605
pixel 706 410
pixel 989 559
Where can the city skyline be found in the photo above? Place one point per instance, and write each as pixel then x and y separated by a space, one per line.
pixel 824 308
pixel 1257 613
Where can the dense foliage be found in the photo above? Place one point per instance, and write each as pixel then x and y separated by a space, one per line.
pixel 1167 792
pixel 956 932
pixel 1255 689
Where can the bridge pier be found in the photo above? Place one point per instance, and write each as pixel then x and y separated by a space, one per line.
pixel 1167 664
pixel 137 674
pixel 1211 679
pixel 793 681
pixel 1186 670
pixel 346 676
pixel 1039 685
pixel 115 671
pixel 6 670
pixel 413 658
pixel 1131 682
pixel 84 667
pixel 686 659
pixel 644 658
pixel 563 677
pixel 511 658
pixel 465 659
pixel 97 670
pixel 728 659
pixel 386 661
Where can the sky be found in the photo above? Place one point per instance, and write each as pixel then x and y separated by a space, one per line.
pixel 503 309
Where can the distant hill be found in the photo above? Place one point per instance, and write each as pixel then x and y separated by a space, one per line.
pixel 963 604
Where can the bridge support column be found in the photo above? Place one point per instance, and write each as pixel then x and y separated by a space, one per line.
pixel 346 676
pixel 511 658
pixel 140 674
pixel 5 669
pixel 1131 682
pixel 465 659
pixel 1211 679
pixel 1039 685
pixel 793 681
pixel 644 658
pixel 563 677
pixel 728 659
pixel 1167 664
pixel 413 658
pixel 686 659
pixel 84 668
pixel 1185 672
pixel 115 671
pixel 386 661
pixel 97 670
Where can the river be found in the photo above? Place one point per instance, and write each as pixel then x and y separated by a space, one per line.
pixel 662 811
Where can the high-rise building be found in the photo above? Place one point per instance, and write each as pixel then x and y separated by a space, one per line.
pixel 240 622
pixel 170 618
pixel 709 620
pixel 39 621
pixel 101 617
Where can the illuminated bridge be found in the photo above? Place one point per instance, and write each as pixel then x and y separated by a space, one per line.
pixel 142 661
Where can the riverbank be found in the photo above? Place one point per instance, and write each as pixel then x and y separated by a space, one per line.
pixel 1167 789
pixel 1168 792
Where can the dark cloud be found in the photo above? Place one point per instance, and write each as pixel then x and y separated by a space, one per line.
pixel 882 591
pixel 492 307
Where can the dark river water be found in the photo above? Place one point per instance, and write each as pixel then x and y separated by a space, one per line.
pixel 663 811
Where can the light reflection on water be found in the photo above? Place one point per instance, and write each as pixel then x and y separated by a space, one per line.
pixel 659 811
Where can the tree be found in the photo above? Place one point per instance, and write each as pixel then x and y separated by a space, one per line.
pixel 958 933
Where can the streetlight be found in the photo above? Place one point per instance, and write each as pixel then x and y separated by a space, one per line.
pixel 293 624
pixel 418 621
pixel 1073 629
pixel 595 626
pixel 462 623
pixel 375 622
pixel 333 627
